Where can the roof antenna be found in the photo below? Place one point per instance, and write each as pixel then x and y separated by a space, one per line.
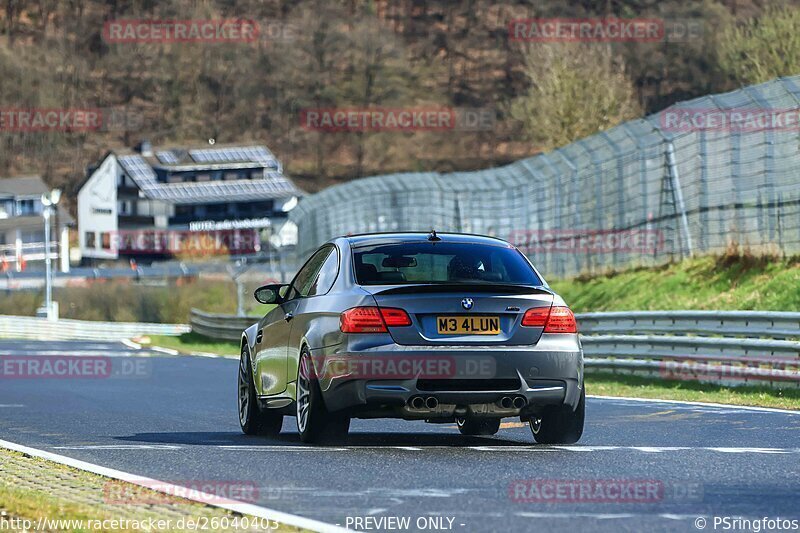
pixel 433 237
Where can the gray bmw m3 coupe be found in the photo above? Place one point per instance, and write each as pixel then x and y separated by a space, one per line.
pixel 421 326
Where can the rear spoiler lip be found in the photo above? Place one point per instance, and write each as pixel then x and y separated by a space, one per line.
pixel 426 288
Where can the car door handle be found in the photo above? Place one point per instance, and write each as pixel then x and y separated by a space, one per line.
pixel 288 316
pixel 260 336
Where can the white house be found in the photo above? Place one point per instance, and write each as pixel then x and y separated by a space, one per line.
pixel 169 191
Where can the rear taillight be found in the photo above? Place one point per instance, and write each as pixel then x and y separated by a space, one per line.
pixel 395 317
pixel 557 319
pixel 372 319
pixel 561 320
pixel 536 317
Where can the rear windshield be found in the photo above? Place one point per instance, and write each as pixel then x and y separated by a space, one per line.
pixel 441 262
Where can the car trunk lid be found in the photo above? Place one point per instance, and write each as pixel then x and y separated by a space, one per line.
pixel 472 308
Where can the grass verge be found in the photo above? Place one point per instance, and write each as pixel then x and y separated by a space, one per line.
pixel 34 489
pixel 608 384
pixel 733 281
pixel 736 280
pixel 189 343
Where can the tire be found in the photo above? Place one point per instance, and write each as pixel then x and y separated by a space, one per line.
pixel 252 419
pixel 314 423
pixel 478 426
pixel 560 425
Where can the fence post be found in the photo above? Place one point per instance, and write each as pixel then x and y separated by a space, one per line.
pixel 769 164
pixel 556 255
pixel 704 243
pixel 676 190
pixel 574 200
pixel 620 215
pixel 598 191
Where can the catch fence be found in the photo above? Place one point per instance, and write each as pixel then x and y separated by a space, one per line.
pixel 695 178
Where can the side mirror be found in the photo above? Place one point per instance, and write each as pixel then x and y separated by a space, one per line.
pixel 270 294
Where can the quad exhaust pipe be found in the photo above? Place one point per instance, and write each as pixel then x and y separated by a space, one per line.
pixel 517 402
pixel 431 403
pixel 418 402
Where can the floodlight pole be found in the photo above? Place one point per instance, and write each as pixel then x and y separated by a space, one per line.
pixel 48 287
pixel 49 201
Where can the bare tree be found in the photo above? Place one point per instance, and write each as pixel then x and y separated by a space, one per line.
pixel 762 48
pixel 575 90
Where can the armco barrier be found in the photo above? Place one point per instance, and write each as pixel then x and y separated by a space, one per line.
pixel 726 347
pixel 19 327
pixel 753 324
pixel 218 326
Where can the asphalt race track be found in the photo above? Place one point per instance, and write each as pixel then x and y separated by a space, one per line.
pixel 174 419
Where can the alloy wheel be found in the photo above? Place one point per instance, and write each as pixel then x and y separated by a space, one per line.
pixel 244 390
pixel 303 392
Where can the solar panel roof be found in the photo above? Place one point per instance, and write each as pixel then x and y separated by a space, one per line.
pixel 273 184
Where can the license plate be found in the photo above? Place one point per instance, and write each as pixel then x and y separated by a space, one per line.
pixel 468 325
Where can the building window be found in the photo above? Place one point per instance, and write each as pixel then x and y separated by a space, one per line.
pixel 230 176
pixel 28 207
pixel 123 180
pixel 202 177
pixel 6 208
pixel 216 209
pixel 105 239
pixel 177 178
pixel 90 240
pixel 32 236
pixel 125 207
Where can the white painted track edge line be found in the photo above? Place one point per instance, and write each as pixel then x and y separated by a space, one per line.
pixel 160 486
pixel 130 344
pixel 700 404
pixel 168 351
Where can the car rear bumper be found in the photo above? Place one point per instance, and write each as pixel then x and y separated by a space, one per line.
pixel 460 380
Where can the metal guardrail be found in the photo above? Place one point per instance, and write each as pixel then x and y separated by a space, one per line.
pixel 652 346
pixel 219 326
pixel 724 347
pixel 19 327
pixel 752 324
pixel 746 347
